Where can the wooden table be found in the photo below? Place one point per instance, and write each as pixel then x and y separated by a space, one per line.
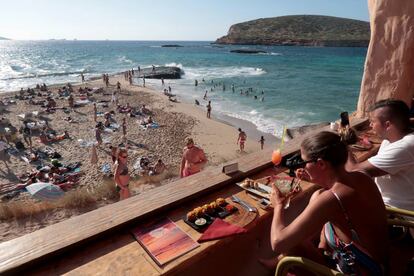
pixel 231 255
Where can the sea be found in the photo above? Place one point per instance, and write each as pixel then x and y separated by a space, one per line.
pixel 294 86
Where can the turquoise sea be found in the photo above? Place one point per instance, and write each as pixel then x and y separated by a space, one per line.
pixel 301 85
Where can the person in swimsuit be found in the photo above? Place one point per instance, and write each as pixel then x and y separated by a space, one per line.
pixel 193 159
pixel 209 109
pixel 121 174
pixel 345 208
pixel 241 140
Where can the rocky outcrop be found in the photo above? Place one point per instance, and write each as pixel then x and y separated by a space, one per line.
pixel 161 72
pixel 246 51
pixel 303 30
pixel 389 66
pixel 3 38
pixel 171 46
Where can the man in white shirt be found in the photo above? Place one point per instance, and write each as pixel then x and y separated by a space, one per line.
pixel 393 166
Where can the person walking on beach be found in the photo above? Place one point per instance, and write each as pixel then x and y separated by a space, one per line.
pixel 162 81
pixel 261 141
pixel 121 174
pixel 209 109
pixel 241 140
pixel 193 159
pixel 205 95
pixel 114 98
pixel 71 102
pixel 98 133
pixel 27 134
pixel 95 113
pixel 82 77
pixel 196 83
pixel 143 81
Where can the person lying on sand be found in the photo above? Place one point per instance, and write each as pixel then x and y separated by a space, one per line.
pixel 148 121
pixel 50 138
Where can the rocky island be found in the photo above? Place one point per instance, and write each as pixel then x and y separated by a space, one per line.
pixel 300 30
pixel 161 72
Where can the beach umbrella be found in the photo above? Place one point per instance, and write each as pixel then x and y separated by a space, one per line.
pixel 45 191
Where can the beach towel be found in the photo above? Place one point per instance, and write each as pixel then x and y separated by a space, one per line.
pixel 85 144
pixel 106 168
pixel 82 102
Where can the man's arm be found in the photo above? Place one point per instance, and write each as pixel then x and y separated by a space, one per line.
pixel 203 158
pixel 364 166
pixel 182 166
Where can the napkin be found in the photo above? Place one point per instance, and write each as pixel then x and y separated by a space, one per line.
pixel 220 229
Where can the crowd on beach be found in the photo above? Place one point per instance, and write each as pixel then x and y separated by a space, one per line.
pixel 34 139
pixel 18 140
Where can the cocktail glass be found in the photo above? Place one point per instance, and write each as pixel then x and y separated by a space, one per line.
pixel 276 157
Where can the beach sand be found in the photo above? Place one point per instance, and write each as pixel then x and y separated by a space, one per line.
pixel 177 121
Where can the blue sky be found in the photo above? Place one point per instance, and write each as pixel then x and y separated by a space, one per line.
pixel 153 20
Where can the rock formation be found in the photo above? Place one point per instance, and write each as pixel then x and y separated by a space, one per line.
pixel 389 66
pixel 307 30
pixel 165 72
pixel 248 51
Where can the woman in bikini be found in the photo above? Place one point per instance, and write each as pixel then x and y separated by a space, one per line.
pixel 121 175
pixel 348 208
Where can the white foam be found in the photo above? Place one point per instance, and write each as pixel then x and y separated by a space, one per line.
pixel 221 72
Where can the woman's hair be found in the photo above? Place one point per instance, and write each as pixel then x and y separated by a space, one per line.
pixel 327 146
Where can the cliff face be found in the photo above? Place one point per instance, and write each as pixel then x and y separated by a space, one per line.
pixel 307 30
pixel 389 66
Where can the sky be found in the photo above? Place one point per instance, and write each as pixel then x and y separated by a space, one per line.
pixel 152 19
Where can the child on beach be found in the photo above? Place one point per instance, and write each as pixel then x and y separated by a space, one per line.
pixel 261 141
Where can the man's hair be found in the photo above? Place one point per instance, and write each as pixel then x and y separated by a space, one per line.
pixel 189 140
pixel 395 111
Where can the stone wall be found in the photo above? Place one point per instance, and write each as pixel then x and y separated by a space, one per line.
pixel 389 65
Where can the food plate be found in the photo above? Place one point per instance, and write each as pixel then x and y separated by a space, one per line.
pixel 285 184
pixel 361 147
pixel 198 215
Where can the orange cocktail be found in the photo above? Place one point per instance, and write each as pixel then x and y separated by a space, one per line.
pixel 276 157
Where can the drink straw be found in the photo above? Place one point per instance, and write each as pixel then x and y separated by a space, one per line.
pixel 283 138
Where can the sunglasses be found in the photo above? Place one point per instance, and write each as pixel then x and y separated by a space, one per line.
pixel 302 163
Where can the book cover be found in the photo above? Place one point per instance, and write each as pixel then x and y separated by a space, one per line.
pixel 164 240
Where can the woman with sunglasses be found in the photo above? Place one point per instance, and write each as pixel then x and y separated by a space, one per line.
pixel 121 175
pixel 348 209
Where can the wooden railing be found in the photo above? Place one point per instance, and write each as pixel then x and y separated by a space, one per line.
pixel 20 253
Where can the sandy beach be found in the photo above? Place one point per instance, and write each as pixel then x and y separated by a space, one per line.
pixel 216 136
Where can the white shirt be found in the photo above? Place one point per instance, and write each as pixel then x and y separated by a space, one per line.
pixel 397 159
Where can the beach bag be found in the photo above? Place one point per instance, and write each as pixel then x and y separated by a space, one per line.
pixel 20 145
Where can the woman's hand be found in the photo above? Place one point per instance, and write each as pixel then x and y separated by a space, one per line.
pixel 302 174
pixel 276 197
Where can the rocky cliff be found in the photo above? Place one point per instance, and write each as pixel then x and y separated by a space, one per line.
pixel 307 30
pixel 389 66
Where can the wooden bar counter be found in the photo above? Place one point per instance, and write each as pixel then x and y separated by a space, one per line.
pixel 100 242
